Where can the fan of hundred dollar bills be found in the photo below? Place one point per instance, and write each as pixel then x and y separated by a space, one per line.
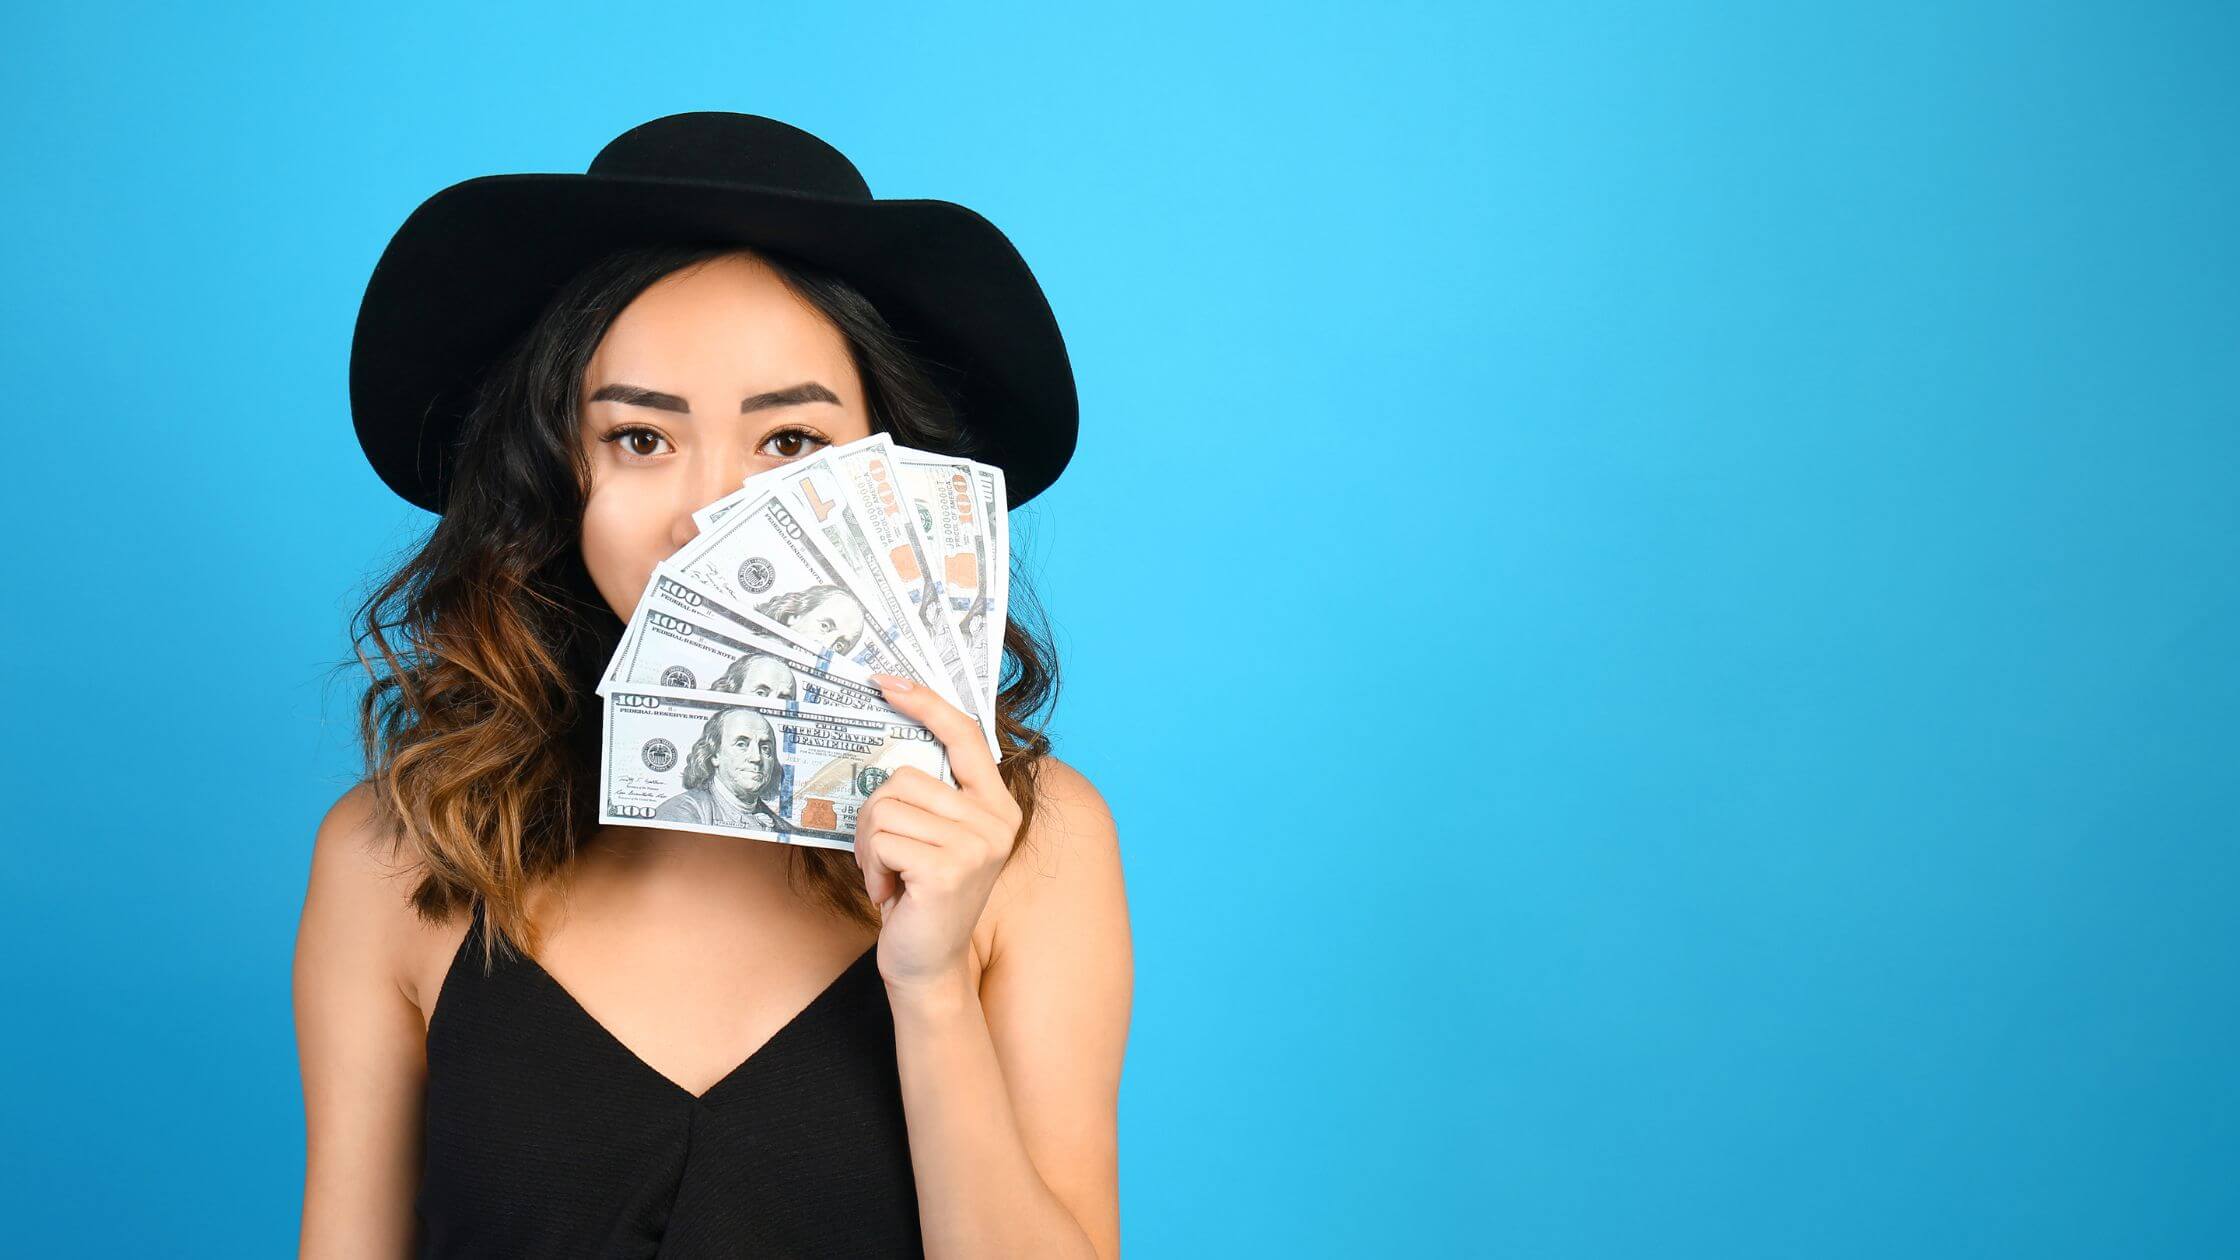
pixel 740 700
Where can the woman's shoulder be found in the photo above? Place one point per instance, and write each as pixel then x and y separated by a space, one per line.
pixel 1067 863
pixel 354 867
pixel 358 914
pixel 1068 806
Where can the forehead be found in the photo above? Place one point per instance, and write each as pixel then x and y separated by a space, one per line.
pixel 743 723
pixel 728 326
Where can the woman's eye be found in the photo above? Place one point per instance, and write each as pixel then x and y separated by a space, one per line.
pixel 790 443
pixel 634 441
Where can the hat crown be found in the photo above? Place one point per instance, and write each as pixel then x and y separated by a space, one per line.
pixel 475 264
pixel 732 148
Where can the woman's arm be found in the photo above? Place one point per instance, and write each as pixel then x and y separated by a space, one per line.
pixel 1010 1083
pixel 1013 1091
pixel 361 1047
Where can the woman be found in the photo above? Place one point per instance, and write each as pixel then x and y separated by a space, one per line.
pixel 522 1033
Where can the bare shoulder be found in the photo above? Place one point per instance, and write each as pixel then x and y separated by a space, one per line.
pixel 1057 992
pixel 1068 804
pixel 359 1039
pixel 357 911
pixel 1067 864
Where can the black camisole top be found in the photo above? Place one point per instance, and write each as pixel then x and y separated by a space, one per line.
pixel 546 1136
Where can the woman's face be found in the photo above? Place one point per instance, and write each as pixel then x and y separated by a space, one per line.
pixel 714 373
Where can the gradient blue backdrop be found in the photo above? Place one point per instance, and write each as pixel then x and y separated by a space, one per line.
pixel 1653 589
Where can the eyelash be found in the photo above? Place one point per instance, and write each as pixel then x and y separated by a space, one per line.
pixel 623 431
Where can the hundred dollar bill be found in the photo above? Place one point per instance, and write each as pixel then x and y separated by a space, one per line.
pixel 995 519
pixel 948 512
pixel 814 487
pixel 882 507
pixel 981 628
pixel 760 556
pixel 680 638
pixel 685 760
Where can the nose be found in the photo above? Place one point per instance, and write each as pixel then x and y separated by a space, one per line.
pixel 712 479
pixel 681 528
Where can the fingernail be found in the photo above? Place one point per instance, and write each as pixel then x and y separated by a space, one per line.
pixel 892 682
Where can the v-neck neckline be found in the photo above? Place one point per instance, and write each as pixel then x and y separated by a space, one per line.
pixel 709 1095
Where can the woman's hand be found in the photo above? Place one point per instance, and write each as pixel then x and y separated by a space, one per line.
pixel 930 852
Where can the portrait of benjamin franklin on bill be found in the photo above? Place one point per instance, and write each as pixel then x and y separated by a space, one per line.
pixel 825 615
pixel 730 776
pixel 975 627
pixel 760 675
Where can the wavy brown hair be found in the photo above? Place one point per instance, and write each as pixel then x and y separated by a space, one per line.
pixel 479 726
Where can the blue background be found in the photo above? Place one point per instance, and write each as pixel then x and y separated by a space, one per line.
pixel 1653 589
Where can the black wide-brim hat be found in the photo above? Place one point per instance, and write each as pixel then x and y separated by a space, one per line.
pixel 475 264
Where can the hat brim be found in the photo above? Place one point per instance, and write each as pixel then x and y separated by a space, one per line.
pixel 475 264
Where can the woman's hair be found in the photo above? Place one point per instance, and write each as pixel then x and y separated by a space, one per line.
pixel 480 726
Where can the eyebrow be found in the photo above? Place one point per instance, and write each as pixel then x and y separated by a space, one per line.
pixel 791 395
